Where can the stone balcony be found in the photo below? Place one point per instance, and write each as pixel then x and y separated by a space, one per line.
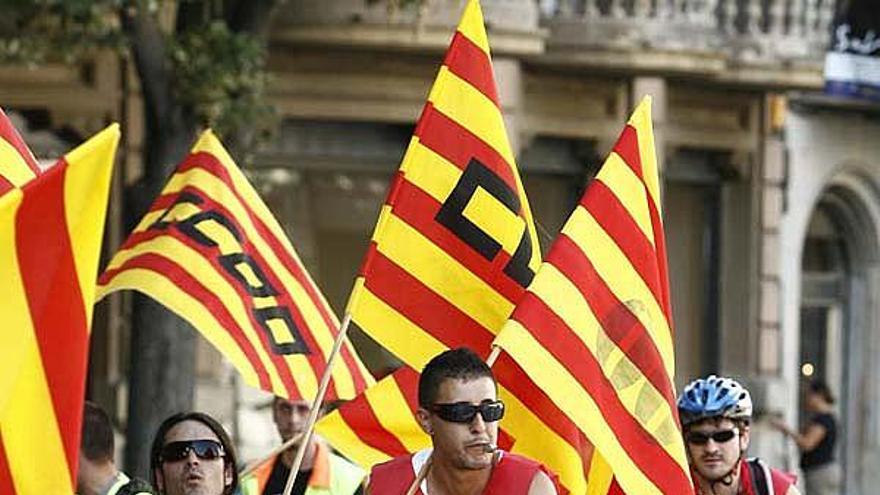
pixel 425 25
pixel 761 42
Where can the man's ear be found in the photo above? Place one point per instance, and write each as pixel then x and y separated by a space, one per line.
pixel 160 481
pixel 227 474
pixel 744 437
pixel 424 419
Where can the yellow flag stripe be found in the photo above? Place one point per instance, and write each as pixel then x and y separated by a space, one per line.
pixel 534 439
pixel 601 475
pixel 438 271
pixel 347 442
pixel 640 398
pixel 17 324
pixel 394 415
pixel 31 438
pixel 89 168
pixel 630 191
pixel 641 121
pixel 576 403
pixel 623 280
pixel 12 165
pixel 471 109
pixel 471 26
pixel 384 324
pixel 157 287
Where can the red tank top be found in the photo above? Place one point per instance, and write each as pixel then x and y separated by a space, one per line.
pixel 511 476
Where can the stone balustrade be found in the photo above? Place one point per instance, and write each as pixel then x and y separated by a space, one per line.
pixel 748 30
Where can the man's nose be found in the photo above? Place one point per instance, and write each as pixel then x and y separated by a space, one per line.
pixel 477 424
pixel 191 457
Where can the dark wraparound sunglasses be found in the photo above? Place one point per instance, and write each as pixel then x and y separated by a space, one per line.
pixel 207 450
pixel 721 436
pixel 465 412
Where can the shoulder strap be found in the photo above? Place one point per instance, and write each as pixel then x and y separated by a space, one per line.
pixel 760 477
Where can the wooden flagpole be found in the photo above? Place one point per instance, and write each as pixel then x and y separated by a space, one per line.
pixel 316 405
pixel 250 468
pixel 423 472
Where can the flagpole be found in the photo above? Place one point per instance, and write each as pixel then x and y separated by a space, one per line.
pixel 316 405
pixel 250 468
pixel 423 472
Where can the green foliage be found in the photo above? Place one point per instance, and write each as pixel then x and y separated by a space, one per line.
pixel 221 76
pixel 218 75
pixel 36 31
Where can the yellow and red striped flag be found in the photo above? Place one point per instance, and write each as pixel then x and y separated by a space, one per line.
pixel 455 247
pixel 595 328
pixel 17 163
pixel 51 231
pixel 210 250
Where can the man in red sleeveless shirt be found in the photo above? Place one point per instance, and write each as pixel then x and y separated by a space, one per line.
pixel 460 410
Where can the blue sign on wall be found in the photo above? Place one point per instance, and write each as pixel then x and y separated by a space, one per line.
pixel 852 64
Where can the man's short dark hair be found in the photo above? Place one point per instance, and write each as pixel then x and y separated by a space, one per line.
pixel 97 434
pixel 458 364
pixel 230 461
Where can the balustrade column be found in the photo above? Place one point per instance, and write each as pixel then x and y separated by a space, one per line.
pixel 591 9
pixel 777 17
pixel 641 9
pixel 618 11
pixel 729 9
pixel 797 18
pixel 753 17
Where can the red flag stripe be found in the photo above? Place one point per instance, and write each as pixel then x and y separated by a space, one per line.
pixel 618 322
pixel 555 336
pixel 662 268
pixel 615 220
pixel 361 418
pixel 467 61
pixel 408 383
pixel 211 164
pixel 418 210
pixel 627 146
pixel 175 274
pixel 62 333
pixel 458 145
pixel 422 306
pixel 510 375
pixel 277 361
pixel 6 483
pixel 5 185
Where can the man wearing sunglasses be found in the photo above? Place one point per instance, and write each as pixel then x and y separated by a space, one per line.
pixel 322 471
pixel 193 455
pixel 715 414
pixel 460 410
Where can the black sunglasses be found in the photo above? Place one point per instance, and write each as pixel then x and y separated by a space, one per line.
pixel 207 450
pixel 465 412
pixel 720 436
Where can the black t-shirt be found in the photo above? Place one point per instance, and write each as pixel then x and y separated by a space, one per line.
pixel 824 452
pixel 278 479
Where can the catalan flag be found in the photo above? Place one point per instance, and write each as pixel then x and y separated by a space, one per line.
pixel 17 163
pixel 210 250
pixel 51 231
pixel 455 247
pixel 595 328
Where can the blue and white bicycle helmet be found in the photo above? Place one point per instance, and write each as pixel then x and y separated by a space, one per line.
pixel 714 397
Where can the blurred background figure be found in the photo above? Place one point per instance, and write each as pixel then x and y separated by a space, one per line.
pixel 97 473
pixel 817 441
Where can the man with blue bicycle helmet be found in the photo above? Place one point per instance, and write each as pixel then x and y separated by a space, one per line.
pixel 715 414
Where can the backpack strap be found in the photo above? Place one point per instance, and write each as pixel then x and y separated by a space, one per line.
pixel 760 475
